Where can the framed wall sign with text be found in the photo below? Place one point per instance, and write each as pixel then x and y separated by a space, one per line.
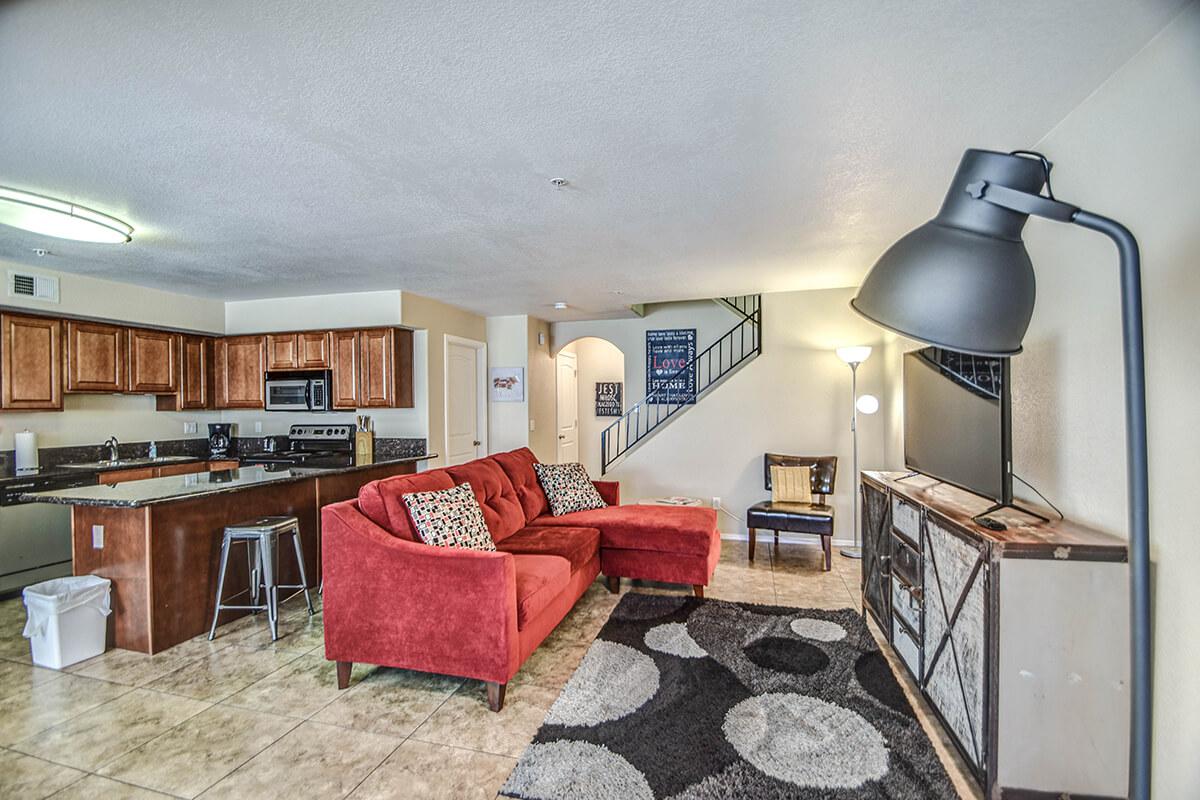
pixel 671 366
pixel 608 399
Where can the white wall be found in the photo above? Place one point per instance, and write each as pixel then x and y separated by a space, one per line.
pixel 597 360
pixel 1132 152
pixel 508 346
pixel 794 398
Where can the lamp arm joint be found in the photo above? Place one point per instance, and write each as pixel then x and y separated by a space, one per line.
pixel 1022 202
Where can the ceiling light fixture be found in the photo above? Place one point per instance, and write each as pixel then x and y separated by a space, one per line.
pixel 51 217
pixel 559 183
pixel 560 306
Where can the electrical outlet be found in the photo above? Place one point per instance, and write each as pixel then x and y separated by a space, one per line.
pixel 189 427
pixel 97 537
pixel 258 427
pixel 717 503
pixel 532 426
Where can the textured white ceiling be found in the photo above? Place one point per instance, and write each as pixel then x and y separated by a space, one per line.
pixel 276 148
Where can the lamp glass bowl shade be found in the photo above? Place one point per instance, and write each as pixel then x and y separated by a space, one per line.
pixel 58 218
pixel 854 355
pixel 963 280
pixel 867 404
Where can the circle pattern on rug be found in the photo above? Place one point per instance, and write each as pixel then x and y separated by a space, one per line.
pixel 806 741
pixel 787 655
pixel 673 639
pixel 570 770
pixel 612 681
pixel 818 629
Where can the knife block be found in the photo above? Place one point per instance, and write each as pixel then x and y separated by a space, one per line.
pixel 364 447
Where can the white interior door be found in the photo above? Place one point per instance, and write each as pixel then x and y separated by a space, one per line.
pixel 463 436
pixel 568 408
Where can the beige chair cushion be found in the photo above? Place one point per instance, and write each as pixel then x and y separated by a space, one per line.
pixel 791 484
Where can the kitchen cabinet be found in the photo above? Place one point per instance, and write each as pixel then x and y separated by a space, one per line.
pixel 344 360
pixel 195 376
pixel 153 361
pixel 385 368
pixel 114 476
pixel 95 357
pixel 240 364
pixel 30 363
pixel 307 350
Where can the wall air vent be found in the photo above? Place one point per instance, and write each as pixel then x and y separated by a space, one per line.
pixel 35 287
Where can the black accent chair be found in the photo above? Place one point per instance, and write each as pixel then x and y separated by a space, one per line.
pixel 815 517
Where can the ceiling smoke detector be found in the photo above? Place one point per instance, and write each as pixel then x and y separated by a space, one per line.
pixel 559 183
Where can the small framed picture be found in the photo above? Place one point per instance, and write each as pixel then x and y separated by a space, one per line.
pixel 608 399
pixel 508 384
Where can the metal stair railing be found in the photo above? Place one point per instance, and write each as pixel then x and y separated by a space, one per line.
pixel 738 345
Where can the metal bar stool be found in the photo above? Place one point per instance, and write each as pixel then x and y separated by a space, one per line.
pixel 261 536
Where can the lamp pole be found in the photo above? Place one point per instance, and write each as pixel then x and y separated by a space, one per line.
pixel 856 550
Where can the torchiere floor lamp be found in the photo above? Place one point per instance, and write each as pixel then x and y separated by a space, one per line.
pixel 964 281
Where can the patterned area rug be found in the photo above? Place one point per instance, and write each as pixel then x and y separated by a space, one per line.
pixel 705 700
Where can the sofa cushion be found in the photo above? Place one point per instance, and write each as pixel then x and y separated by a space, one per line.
pixel 577 545
pixel 494 491
pixel 664 529
pixel 568 488
pixel 449 518
pixel 540 579
pixel 518 466
pixel 382 501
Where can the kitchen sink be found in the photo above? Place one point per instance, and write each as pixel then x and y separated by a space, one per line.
pixel 129 462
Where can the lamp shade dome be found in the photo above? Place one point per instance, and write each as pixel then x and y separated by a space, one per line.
pixel 963 280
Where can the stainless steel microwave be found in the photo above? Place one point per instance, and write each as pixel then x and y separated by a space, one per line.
pixel 298 392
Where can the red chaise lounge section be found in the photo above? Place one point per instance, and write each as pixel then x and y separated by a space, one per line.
pixel 393 601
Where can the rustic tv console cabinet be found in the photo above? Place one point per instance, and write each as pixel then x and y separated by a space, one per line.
pixel 1018 639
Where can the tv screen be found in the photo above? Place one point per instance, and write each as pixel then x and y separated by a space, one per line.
pixel 956 420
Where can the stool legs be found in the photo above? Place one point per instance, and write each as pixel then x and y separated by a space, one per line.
pixel 254 562
pixel 212 632
pixel 300 564
pixel 268 559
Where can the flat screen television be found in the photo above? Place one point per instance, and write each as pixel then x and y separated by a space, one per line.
pixel 958 420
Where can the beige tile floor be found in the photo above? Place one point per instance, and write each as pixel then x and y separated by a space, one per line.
pixel 244 717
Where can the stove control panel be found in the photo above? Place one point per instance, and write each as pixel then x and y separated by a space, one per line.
pixel 326 433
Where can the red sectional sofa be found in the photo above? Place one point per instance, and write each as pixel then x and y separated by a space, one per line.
pixel 393 601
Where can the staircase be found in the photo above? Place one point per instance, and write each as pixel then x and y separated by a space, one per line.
pixel 734 349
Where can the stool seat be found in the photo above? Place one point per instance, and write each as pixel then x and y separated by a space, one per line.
pixel 261 537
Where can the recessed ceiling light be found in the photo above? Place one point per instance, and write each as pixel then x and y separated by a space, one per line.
pixel 559 183
pixel 560 305
pixel 51 217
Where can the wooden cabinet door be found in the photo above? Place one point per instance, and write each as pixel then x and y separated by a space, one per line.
pixel 195 389
pixel 376 368
pixel 344 361
pixel 116 476
pixel 153 361
pixel 240 365
pixel 95 357
pixel 404 368
pixel 187 468
pixel 30 363
pixel 313 350
pixel 283 351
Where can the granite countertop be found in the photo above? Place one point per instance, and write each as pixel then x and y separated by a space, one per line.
pixel 133 494
pixel 9 474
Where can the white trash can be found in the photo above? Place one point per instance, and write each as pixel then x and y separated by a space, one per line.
pixel 66 619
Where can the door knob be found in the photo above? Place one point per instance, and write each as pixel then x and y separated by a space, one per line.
pixel 476 443
pixel 561 436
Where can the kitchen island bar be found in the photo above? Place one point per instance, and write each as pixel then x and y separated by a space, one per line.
pixel 159 540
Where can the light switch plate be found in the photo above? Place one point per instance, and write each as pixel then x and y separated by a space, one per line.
pixel 532 425
pixel 258 427
pixel 97 537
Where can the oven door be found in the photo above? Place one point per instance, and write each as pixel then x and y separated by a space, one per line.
pixel 289 395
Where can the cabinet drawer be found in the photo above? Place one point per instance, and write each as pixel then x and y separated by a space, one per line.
pixel 906 603
pixel 906 648
pixel 906 562
pixel 906 519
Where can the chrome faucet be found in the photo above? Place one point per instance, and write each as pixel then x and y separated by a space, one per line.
pixel 111 443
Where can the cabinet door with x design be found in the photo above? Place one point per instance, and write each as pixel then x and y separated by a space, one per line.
pixel 955 645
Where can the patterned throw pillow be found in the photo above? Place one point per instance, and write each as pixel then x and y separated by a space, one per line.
pixel 568 488
pixel 449 518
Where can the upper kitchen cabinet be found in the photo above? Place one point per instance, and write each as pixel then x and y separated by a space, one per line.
pixel 153 361
pixel 385 368
pixel 344 360
pixel 95 357
pixel 309 350
pixel 240 365
pixel 195 376
pixel 30 363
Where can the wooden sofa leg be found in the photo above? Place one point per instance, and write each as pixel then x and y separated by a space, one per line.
pixel 753 538
pixel 613 582
pixel 699 590
pixel 827 544
pixel 495 693
pixel 777 538
pixel 343 673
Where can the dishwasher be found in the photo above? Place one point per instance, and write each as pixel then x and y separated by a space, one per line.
pixel 35 538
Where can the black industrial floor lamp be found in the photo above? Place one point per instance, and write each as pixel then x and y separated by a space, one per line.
pixel 964 281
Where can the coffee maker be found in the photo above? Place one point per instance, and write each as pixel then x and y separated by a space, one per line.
pixel 220 439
